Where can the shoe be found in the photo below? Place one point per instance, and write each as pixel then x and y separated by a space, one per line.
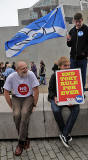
pixel 27 144
pixel 69 138
pixel 19 149
pixel 64 140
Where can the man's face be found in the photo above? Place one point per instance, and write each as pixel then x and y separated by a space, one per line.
pixel 65 66
pixel 78 23
pixel 22 70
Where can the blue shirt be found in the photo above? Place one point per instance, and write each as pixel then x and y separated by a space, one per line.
pixel 7 72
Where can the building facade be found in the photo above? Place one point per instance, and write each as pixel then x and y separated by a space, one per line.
pixel 43 7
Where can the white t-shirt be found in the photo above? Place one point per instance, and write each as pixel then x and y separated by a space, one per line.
pixel 21 86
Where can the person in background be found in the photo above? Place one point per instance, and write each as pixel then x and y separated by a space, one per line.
pixel 24 87
pixel 2 68
pixel 55 67
pixel 77 39
pixel 14 66
pixel 6 63
pixel 42 72
pixel 65 128
pixel 8 71
pixel 34 68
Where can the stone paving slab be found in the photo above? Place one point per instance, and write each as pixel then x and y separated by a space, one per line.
pixel 47 149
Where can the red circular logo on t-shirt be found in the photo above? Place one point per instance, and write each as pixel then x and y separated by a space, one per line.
pixel 23 89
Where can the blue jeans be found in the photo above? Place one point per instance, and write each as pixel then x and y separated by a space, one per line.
pixel 82 64
pixel 43 80
pixel 57 111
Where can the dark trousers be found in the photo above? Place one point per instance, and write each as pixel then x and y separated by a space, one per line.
pixel 65 128
pixel 1 85
pixel 82 64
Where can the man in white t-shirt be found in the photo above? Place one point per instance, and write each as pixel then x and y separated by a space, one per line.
pixel 24 87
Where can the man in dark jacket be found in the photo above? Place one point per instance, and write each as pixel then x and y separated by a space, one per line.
pixel 65 129
pixel 77 39
pixel 34 68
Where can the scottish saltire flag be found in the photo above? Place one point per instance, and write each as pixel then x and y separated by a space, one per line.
pixel 50 26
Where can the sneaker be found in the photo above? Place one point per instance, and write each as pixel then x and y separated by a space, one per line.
pixel 64 140
pixel 69 138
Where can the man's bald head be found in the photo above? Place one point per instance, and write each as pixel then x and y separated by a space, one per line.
pixel 20 64
pixel 22 68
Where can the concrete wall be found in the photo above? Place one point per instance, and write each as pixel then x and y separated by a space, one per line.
pixel 71 10
pixel 23 14
pixel 6 33
pixel 85 16
pixel 42 122
pixel 70 2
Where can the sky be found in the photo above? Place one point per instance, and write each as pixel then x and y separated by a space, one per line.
pixel 9 11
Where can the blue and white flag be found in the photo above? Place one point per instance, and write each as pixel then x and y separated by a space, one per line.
pixel 50 26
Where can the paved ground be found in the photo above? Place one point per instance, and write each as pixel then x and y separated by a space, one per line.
pixel 49 149
pixel 46 149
